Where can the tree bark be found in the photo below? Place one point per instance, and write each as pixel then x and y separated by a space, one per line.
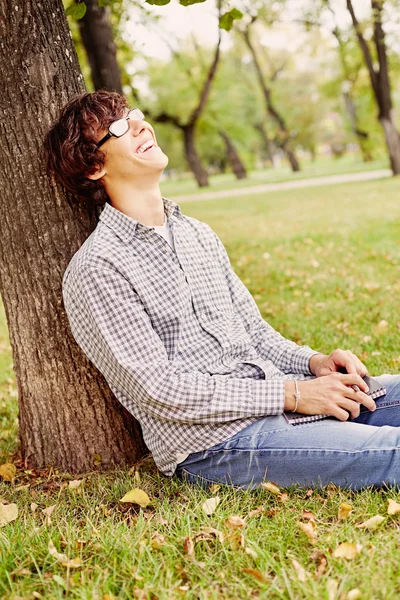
pixel 268 145
pixel 233 157
pixel 192 157
pixel 380 80
pixel 283 137
pixel 68 416
pixel 97 38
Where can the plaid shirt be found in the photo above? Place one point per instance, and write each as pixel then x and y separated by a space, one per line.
pixel 177 335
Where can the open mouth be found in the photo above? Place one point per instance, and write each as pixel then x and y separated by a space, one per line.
pixel 146 146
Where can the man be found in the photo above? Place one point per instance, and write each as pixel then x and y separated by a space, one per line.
pixel 154 303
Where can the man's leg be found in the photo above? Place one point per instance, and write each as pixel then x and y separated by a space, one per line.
pixel 348 454
pixel 387 407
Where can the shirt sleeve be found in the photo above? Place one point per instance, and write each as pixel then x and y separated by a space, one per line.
pixel 110 324
pixel 288 356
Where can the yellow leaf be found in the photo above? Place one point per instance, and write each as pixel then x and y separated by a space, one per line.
pixel 347 550
pixel 188 546
pixel 344 511
pixel 393 508
pixel 354 594
pixel 372 523
pixel 310 530
pixel 270 486
pixel 136 496
pixel 257 574
pixel 332 588
pixel 7 471
pixel 74 484
pixel 235 522
pixel 63 558
pixel 72 563
pixel 8 513
pixel 214 488
pixel 210 505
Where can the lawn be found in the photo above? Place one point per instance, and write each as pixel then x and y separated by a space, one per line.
pixel 323 266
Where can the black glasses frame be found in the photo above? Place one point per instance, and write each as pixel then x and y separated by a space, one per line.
pixel 127 118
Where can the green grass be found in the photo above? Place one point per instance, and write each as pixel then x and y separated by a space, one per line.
pixel 323 265
pixel 320 167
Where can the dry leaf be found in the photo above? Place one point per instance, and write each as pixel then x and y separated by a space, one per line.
pixel 354 594
pixel 310 530
pixel 332 588
pixel 301 572
pixel 157 540
pixel 49 510
pixel 234 522
pixel 372 523
pixel 321 561
pixel 63 558
pixel 251 552
pixel 393 507
pixel 8 513
pixel 188 546
pixel 344 511
pixel 74 484
pixel 7 471
pixel 309 515
pixel 236 540
pixel 347 550
pixel 210 505
pixel 209 533
pixel 136 496
pixel 34 506
pixel 270 486
pixel 214 488
pixel 257 574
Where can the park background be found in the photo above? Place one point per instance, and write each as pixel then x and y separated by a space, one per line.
pixel 297 98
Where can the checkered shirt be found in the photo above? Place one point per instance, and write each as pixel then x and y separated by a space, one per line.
pixel 176 334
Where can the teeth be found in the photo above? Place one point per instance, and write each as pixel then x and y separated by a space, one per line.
pixel 145 146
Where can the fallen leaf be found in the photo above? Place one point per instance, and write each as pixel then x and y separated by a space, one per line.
pixel 236 540
pixel 347 550
pixel 33 507
pixel 251 552
pixel 393 507
pixel 372 523
pixel 235 522
pixel 209 533
pixel 270 486
pixel 8 513
pixel 344 511
pixel 332 588
pixel 320 560
pixel 354 594
pixel 136 496
pixel 214 488
pixel 157 540
pixel 308 514
pixel 49 510
pixel 22 572
pixel 7 471
pixel 310 530
pixel 301 572
pixel 74 484
pixel 210 505
pixel 188 546
pixel 257 574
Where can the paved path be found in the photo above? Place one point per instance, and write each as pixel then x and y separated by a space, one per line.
pixel 286 185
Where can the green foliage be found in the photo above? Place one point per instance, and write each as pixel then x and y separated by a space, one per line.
pixel 76 11
pixel 183 2
pixel 227 19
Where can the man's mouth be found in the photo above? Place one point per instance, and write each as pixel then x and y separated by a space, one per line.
pixel 145 146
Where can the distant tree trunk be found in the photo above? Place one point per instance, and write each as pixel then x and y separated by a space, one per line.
pixel 68 416
pixel 238 167
pixel 192 157
pixel 268 145
pixel 97 38
pixel 380 81
pixel 362 136
pixel 283 133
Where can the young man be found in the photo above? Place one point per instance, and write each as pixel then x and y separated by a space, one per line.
pixel 154 303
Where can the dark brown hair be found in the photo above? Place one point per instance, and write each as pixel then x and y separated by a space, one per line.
pixel 70 144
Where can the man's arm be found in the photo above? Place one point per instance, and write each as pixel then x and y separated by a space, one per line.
pixel 110 324
pixel 288 356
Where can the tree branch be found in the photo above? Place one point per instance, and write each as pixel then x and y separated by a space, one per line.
pixel 364 49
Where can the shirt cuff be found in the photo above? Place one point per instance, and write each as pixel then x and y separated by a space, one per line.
pixel 301 360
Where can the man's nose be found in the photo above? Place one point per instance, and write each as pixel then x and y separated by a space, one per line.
pixel 136 126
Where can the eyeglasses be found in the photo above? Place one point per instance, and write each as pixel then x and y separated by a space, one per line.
pixel 121 126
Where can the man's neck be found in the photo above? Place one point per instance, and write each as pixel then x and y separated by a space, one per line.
pixel 144 205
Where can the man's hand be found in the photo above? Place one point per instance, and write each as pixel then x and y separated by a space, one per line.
pixel 336 395
pixel 337 361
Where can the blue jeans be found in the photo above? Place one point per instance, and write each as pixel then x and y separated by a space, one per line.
pixel 351 454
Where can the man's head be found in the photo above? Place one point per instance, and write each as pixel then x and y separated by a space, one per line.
pixel 90 171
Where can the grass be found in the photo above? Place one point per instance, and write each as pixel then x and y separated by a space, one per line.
pixel 320 167
pixel 323 265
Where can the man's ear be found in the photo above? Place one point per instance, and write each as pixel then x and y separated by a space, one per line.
pixel 97 174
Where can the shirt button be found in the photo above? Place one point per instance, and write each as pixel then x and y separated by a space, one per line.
pixel 226 345
pixel 165 250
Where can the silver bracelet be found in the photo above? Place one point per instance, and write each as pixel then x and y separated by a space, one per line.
pixel 297 396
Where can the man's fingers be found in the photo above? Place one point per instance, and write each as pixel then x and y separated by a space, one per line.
pixel 354 379
pixel 360 397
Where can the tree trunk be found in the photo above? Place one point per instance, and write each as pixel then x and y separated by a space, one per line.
pixel 392 142
pixel 97 38
pixel 192 157
pixel 268 145
pixel 362 136
pixel 68 416
pixel 233 157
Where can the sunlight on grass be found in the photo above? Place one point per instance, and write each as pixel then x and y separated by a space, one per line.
pixel 323 266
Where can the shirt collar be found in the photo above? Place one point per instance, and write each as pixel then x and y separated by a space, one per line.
pixel 126 227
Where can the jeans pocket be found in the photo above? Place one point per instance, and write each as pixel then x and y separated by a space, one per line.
pixel 382 402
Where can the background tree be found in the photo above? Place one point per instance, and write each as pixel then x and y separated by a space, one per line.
pixel 68 416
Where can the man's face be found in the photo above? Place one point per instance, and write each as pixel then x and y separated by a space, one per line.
pixel 125 158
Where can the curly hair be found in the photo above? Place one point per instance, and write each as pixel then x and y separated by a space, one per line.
pixel 70 144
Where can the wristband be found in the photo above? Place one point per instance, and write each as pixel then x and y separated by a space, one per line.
pixel 297 396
